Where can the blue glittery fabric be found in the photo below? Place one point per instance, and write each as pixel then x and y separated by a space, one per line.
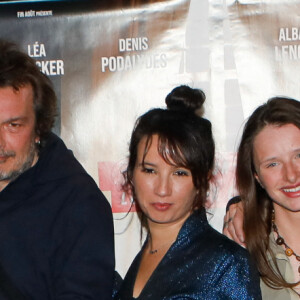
pixel 201 264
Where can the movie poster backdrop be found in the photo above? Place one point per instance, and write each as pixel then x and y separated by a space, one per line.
pixel 111 61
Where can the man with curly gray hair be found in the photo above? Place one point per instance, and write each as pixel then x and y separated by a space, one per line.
pixel 56 231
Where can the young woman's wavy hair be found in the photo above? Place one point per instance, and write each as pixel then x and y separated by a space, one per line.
pixel 258 206
pixel 17 70
pixel 184 140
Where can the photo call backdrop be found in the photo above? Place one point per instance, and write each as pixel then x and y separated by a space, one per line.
pixel 112 60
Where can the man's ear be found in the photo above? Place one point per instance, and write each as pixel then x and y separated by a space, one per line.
pixel 37 140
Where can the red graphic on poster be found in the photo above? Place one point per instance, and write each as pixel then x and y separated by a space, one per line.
pixel 110 180
pixel 223 187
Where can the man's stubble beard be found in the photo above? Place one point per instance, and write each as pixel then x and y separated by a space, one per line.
pixel 20 167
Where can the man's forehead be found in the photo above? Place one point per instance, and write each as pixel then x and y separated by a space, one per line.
pixel 22 93
pixel 18 87
pixel 16 103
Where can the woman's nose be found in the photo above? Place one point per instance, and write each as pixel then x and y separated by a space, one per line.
pixel 163 186
pixel 291 172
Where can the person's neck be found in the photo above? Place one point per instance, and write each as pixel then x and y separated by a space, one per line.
pixel 161 234
pixel 288 224
pixel 3 184
pixel 35 159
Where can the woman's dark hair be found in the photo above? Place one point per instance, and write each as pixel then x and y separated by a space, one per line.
pixel 185 98
pixel 17 70
pixel 184 139
pixel 278 111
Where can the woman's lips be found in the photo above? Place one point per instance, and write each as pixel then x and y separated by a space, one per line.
pixel 161 206
pixel 292 192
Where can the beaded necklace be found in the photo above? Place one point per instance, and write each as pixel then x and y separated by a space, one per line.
pixel 280 241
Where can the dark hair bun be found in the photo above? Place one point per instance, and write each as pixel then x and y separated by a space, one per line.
pixel 184 98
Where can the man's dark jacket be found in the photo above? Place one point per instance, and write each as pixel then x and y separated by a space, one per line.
pixel 56 231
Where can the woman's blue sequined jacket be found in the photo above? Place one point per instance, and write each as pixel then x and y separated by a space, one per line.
pixel 201 264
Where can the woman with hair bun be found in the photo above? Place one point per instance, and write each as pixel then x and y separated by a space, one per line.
pixel 183 98
pixel 171 159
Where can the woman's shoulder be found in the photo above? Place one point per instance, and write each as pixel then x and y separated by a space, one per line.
pixel 222 246
pixel 199 237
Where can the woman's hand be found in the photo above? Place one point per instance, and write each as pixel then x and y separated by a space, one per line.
pixel 233 223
